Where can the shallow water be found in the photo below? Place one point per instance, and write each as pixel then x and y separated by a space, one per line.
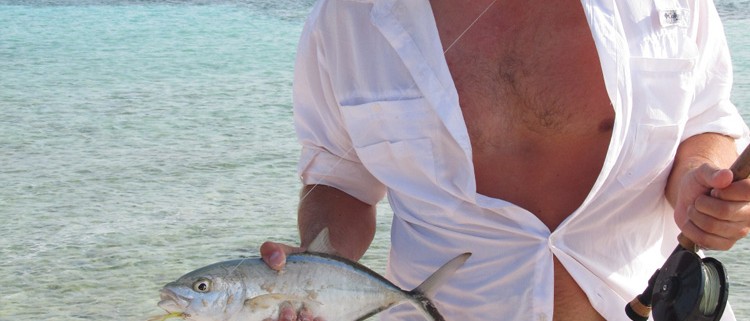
pixel 142 139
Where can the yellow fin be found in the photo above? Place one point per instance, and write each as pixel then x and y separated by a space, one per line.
pixel 265 301
pixel 170 315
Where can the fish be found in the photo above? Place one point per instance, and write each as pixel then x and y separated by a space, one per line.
pixel 329 286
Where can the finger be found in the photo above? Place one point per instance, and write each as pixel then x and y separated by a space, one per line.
pixel 274 254
pixel 286 312
pixel 305 314
pixel 713 177
pixel 738 191
pixel 722 209
pixel 705 240
pixel 732 230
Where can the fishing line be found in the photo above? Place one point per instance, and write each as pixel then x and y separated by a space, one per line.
pixel 711 288
pixel 469 27
pixel 234 268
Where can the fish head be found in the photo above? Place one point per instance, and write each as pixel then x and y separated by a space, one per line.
pixel 212 293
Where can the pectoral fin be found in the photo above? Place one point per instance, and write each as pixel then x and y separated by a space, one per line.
pixel 266 301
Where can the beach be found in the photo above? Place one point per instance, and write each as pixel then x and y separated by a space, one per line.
pixel 140 140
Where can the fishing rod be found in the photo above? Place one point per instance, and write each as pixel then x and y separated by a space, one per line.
pixel 688 287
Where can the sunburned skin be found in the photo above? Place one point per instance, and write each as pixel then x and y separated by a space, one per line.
pixel 531 90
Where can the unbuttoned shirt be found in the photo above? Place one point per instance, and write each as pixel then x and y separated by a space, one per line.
pixel 376 111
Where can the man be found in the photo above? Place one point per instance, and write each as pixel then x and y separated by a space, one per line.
pixel 565 144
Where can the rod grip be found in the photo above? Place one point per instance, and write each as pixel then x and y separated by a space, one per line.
pixel 637 310
pixel 741 166
pixel 687 244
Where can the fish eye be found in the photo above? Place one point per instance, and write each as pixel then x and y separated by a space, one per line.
pixel 202 286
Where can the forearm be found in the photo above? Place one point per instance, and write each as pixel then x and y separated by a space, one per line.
pixel 350 222
pixel 711 148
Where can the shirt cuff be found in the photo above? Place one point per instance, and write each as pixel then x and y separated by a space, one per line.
pixel 318 166
pixel 723 119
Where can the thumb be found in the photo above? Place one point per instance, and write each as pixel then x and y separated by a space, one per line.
pixel 274 254
pixel 713 177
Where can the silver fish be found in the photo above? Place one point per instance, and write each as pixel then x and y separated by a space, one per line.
pixel 329 286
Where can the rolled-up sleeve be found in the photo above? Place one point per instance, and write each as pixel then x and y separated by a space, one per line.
pixel 712 110
pixel 327 156
pixel 321 167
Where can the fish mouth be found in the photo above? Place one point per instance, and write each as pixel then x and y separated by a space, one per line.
pixel 171 301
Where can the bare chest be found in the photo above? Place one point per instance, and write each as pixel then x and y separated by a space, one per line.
pixel 536 109
pixel 521 71
pixel 531 91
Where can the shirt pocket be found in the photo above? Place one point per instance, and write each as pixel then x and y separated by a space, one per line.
pixel 663 88
pixel 393 139
pixel 649 154
pixel 662 68
pixel 406 165
pixel 657 65
pixel 662 94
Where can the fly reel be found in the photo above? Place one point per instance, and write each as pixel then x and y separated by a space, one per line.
pixel 690 288
pixel 686 288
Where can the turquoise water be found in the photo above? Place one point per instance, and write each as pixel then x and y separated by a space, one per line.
pixel 142 139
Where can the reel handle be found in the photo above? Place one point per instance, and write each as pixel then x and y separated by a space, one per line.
pixel 640 308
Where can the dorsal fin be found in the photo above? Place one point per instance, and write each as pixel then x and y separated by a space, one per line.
pixel 423 294
pixel 322 243
pixel 434 281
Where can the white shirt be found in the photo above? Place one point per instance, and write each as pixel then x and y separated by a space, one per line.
pixel 376 109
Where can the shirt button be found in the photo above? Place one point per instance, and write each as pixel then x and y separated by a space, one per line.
pixel 551 241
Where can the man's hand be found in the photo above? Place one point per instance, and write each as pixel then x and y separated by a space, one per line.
pixel 711 210
pixel 274 254
pixel 287 313
pixel 348 219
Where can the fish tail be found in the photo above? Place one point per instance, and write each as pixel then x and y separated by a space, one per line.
pixel 422 294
